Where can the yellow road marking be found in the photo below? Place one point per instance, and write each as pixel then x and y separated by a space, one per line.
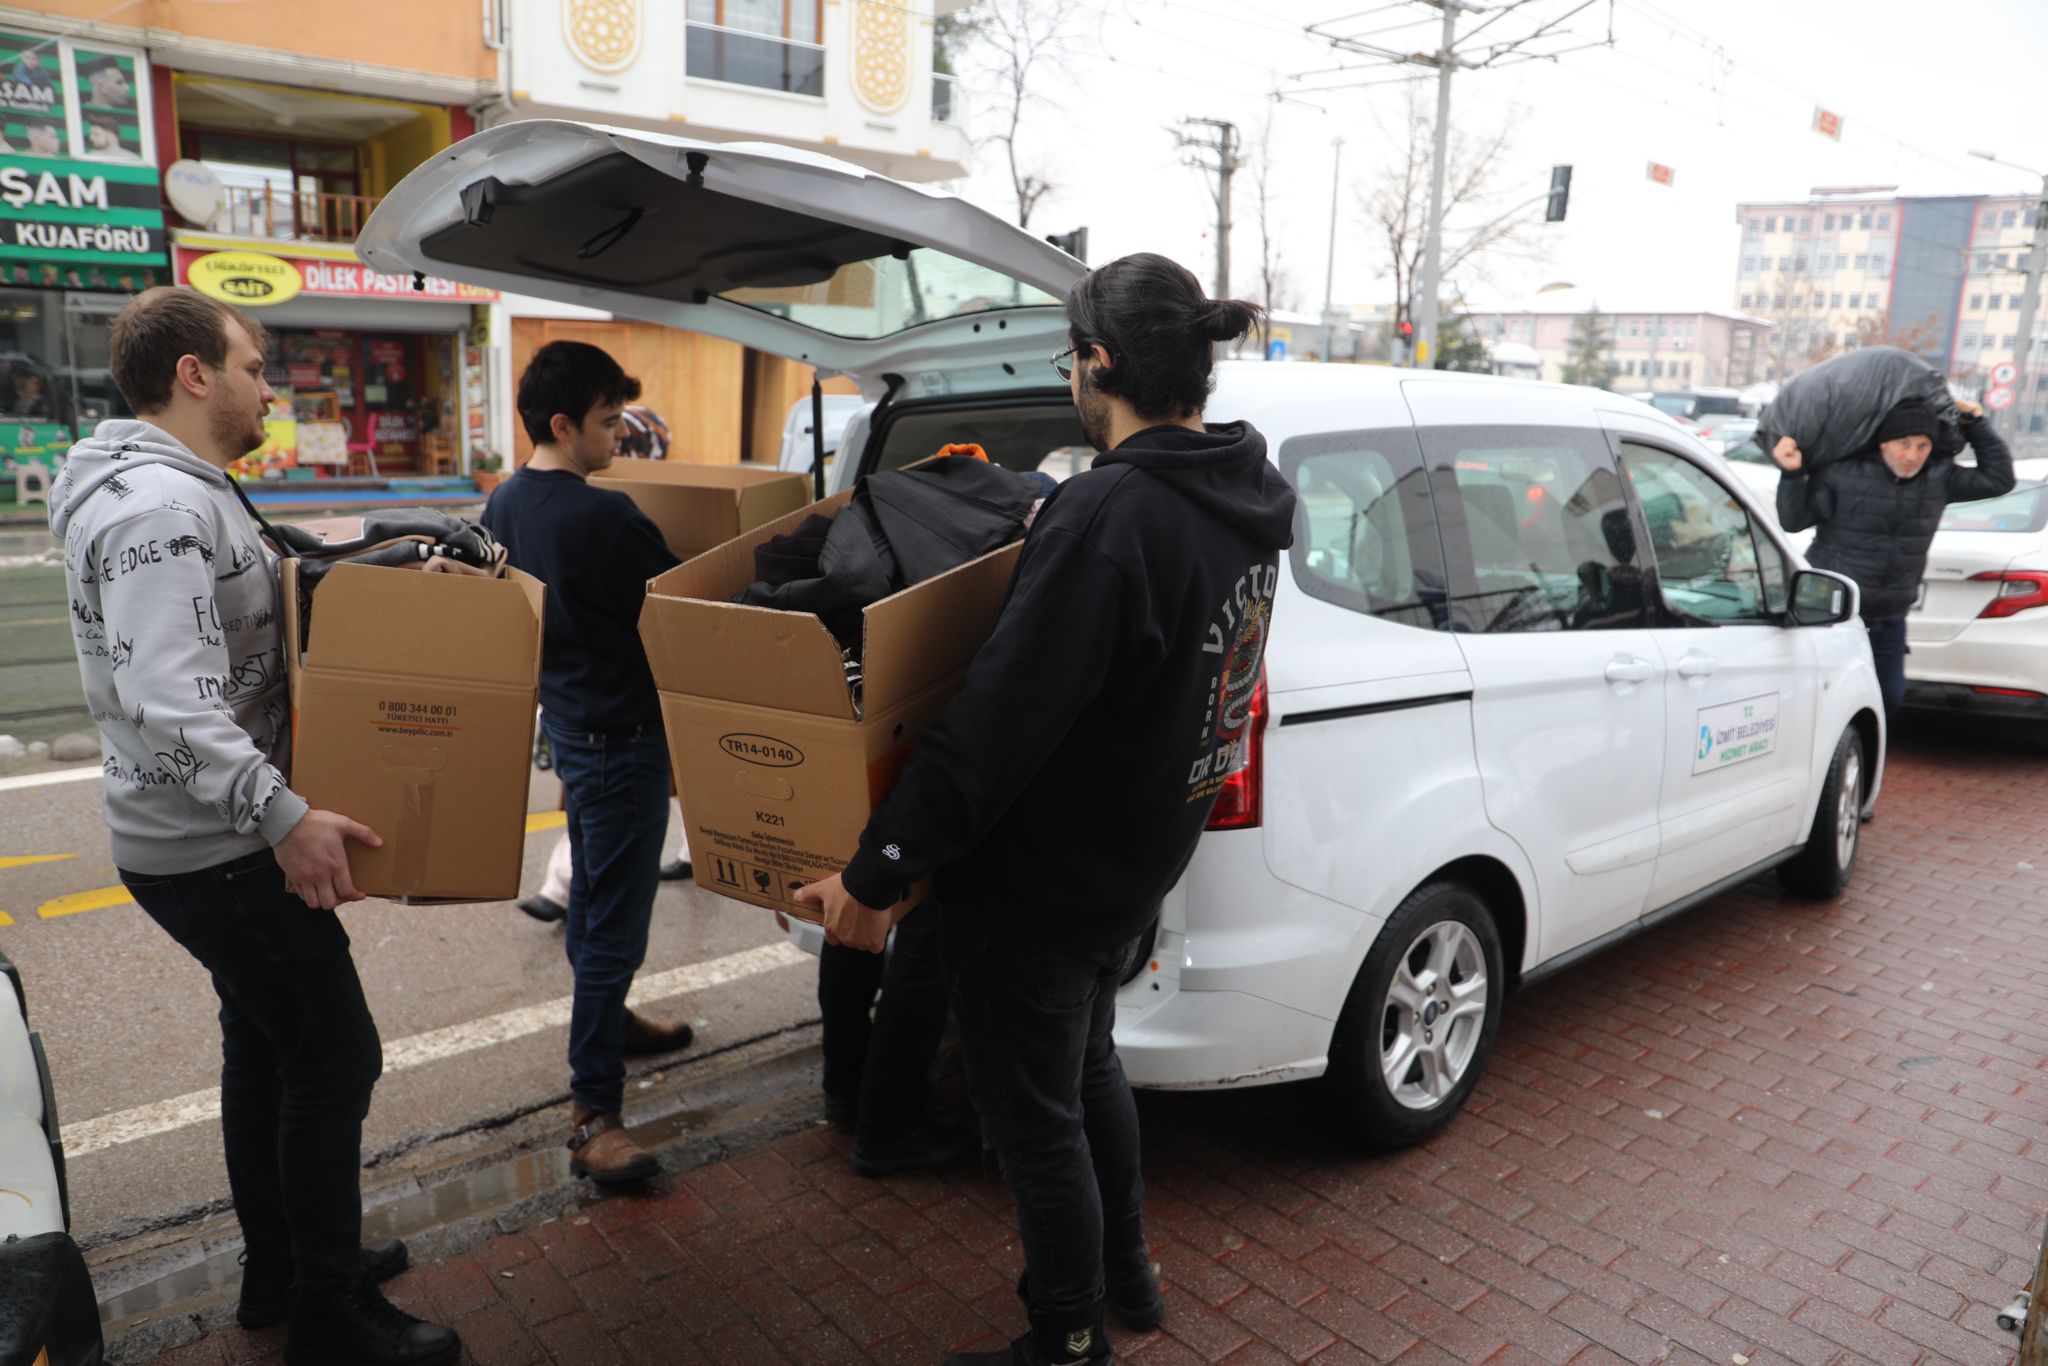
pixel 37 621
pixel 546 820
pixel 24 860
pixel 6 919
pixel 96 900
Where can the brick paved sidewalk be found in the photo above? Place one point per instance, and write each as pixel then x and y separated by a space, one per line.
pixel 1768 1131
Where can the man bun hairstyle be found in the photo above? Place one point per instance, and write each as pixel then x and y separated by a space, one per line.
pixel 157 328
pixel 1160 329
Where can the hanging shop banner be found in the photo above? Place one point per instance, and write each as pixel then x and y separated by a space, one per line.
pixel 293 276
pixel 79 202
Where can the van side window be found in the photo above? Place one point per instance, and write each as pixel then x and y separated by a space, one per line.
pixel 1365 537
pixel 1713 565
pixel 1536 529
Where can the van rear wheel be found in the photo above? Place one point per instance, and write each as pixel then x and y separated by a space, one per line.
pixel 1419 1025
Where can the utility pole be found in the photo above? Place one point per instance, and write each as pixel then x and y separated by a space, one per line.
pixel 1447 58
pixel 1223 145
pixel 1425 307
pixel 2029 301
pixel 1330 268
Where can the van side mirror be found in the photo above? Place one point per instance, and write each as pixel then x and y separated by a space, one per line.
pixel 1820 599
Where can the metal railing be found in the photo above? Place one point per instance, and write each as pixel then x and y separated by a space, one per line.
pixel 757 59
pixel 946 101
pixel 292 215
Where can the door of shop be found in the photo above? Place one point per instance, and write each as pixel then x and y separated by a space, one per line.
pixel 371 382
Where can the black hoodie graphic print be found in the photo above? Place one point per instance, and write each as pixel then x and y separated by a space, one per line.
pixel 1070 778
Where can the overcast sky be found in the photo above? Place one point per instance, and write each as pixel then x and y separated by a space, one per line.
pixel 1723 91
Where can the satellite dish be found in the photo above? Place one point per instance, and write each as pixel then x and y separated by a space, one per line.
pixel 194 191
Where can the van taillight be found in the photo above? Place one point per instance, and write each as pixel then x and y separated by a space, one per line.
pixel 1238 804
pixel 2018 590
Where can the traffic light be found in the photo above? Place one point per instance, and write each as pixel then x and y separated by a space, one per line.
pixel 1407 331
pixel 1560 194
pixel 1074 244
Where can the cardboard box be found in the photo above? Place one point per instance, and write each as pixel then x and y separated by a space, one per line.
pixel 776 773
pixel 413 712
pixel 699 507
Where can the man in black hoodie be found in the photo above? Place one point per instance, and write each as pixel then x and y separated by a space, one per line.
pixel 1878 511
pixel 1060 795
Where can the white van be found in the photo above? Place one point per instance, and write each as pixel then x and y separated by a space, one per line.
pixel 1543 673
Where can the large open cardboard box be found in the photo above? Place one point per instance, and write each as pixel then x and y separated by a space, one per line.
pixel 698 507
pixel 413 712
pixel 776 773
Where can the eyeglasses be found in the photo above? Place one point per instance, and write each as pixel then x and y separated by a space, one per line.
pixel 1063 367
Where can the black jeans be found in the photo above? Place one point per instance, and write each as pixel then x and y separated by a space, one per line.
pixel 299 1057
pixel 884 1067
pixel 1888 652
pixel 1035 1033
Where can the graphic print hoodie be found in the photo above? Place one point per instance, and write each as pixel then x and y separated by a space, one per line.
pixel 175 616
pixel 1070 778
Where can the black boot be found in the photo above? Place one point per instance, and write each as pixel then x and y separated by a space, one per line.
pixel 1043 1346
pixel 676 870
pixel 544 910
pixel 268 1286
pixel 359 1327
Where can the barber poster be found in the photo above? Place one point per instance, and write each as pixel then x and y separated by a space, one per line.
pixel 32 103
pixel 109 114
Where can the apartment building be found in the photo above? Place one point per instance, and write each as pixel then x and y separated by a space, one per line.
pixel 1650 349
pixel 1941 275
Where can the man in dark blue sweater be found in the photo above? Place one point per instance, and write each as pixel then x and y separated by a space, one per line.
pixel 595 550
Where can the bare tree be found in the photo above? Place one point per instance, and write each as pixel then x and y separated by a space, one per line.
pixel 1013 45
pixel 1276 287
pixel 1397 205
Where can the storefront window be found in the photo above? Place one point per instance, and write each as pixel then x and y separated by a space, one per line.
pixel 53 375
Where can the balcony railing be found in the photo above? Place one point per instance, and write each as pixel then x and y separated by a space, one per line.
pixel 946 99
pixel 756 59
pixel 293 216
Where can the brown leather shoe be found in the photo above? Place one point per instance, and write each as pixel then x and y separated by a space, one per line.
pixel 645 1036
pixel 604 1153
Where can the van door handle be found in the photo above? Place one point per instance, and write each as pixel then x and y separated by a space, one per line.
pixel 1693 664
pixel 1629 669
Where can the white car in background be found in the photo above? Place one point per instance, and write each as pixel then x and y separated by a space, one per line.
pixel 1979 634
pixel 1542 672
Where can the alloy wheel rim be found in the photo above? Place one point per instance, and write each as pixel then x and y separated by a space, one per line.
pixel 1433 1015
pixel 1849 810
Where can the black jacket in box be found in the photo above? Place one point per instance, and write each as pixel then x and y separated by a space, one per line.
pixel 1070 778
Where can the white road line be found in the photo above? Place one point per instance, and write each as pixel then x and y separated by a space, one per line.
pixel 56 775
pixel 436 1045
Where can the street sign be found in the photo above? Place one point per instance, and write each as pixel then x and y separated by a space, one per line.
pixel 1662 175
pixel 2005 372
pixel 1276 349
pixel 1998 399
pixel 1827 123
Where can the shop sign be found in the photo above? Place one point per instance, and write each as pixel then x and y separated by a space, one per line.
pixel 79 203
pixel 330 280
pixel 248 278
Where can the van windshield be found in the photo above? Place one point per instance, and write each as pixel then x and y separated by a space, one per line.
pixel 881 297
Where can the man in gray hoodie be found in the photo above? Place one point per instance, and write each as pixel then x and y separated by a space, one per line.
pixel 175 616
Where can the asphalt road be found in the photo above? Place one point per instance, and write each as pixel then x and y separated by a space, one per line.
pixel 128 1018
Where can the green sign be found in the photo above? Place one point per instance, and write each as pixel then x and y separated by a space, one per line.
pixel 24 441
pixel 80 206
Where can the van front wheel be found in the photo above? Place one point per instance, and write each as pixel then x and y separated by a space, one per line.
pixel 1420 1022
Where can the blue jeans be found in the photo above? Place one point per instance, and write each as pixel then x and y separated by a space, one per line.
pixel 615 785
pixel 1888 653
pixel 299 1056
pixel 1042 1069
